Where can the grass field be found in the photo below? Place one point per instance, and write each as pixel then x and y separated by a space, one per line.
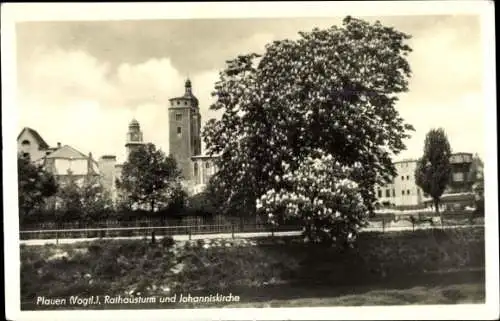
pixel 424 267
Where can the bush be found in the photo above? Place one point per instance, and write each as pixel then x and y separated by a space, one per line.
pixel 167 242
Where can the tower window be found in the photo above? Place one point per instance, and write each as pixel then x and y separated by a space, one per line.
pixel 402 178
pixel 387 193
pixel 178 102
pixel 178 117
pixel 379 193
pixel 26 142
pixel 408 192
pixel 393 192
pixel 207 165
pixel 403 192
pixel 179 130
pixel 407 177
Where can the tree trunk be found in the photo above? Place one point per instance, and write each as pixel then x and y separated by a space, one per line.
pixel 436 205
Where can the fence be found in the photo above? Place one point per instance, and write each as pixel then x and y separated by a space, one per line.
pixel 382 224
pixel 148 222
pixel 188 230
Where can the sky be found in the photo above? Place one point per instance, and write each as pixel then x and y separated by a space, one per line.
pixel 81 83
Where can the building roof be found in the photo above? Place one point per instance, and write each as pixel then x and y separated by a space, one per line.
pixel 41 142
pixel 67 152
pixel 188 94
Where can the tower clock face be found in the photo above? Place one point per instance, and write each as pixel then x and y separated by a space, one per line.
pixel 135 136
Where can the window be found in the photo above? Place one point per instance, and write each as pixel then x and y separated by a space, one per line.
pixel 403 192
pixel 408 192
pixel 207 165
pixel 179 130
pixel 387 193
pixel 458 177
pixel 379 193
pixel 185 102
pixel 26 142
pixel 178 102
pixel 393 192
pixel 407 177
pixel 418 191
pixel 178 117
pixel 402 178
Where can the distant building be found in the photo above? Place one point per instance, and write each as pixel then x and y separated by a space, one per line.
pixel 31 144
pixel 203 169
pixel 62 161
pixel 466 169
pixel 66 161
pixel 185 141
pixel 403 190
pixel 134 137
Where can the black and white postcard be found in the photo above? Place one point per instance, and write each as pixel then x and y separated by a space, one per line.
pixel 250 160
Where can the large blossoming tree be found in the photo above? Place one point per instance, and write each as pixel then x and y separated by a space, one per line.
pixel 333 90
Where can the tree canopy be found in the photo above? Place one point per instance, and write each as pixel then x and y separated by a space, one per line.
pixel 83 199
pixel 149 178
pixel 433 172
pixel 333 90
pixel 35 185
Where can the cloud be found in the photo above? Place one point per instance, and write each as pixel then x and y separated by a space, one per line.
pixel 446 88
pixel 70 97
pixel 86 91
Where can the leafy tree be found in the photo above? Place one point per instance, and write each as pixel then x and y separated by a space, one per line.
pixel 96 201
pixel 332 89
pixel 322 194
pixel 35 185
pixel 149 178
pixel 84 200
pixel 433 170
pixel 68 200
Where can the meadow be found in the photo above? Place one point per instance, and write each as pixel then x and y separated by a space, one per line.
pixel 422 267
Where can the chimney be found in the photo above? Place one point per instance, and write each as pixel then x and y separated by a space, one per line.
pixel 58 145
pixel 107 171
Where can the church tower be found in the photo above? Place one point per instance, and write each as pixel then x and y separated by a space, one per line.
pixel 184 130
pixel 134 137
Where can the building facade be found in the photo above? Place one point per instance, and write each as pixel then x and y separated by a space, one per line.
pixel 185 130
pixel 185 141
pixel 134 137
pixel 404 192
pixel 62 161
pixel 31 144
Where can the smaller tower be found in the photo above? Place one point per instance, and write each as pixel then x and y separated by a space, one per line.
pixel 134 137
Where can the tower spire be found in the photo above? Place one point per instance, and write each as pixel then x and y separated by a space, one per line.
pixel 188 87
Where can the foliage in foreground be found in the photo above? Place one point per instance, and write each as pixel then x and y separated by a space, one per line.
pixel 121 267
pixel 323 195
pixel 333 89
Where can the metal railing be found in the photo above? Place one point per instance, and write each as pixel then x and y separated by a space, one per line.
pixel 189 230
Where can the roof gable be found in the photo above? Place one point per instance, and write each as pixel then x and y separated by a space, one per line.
pixel 67 152
pixel 41 142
